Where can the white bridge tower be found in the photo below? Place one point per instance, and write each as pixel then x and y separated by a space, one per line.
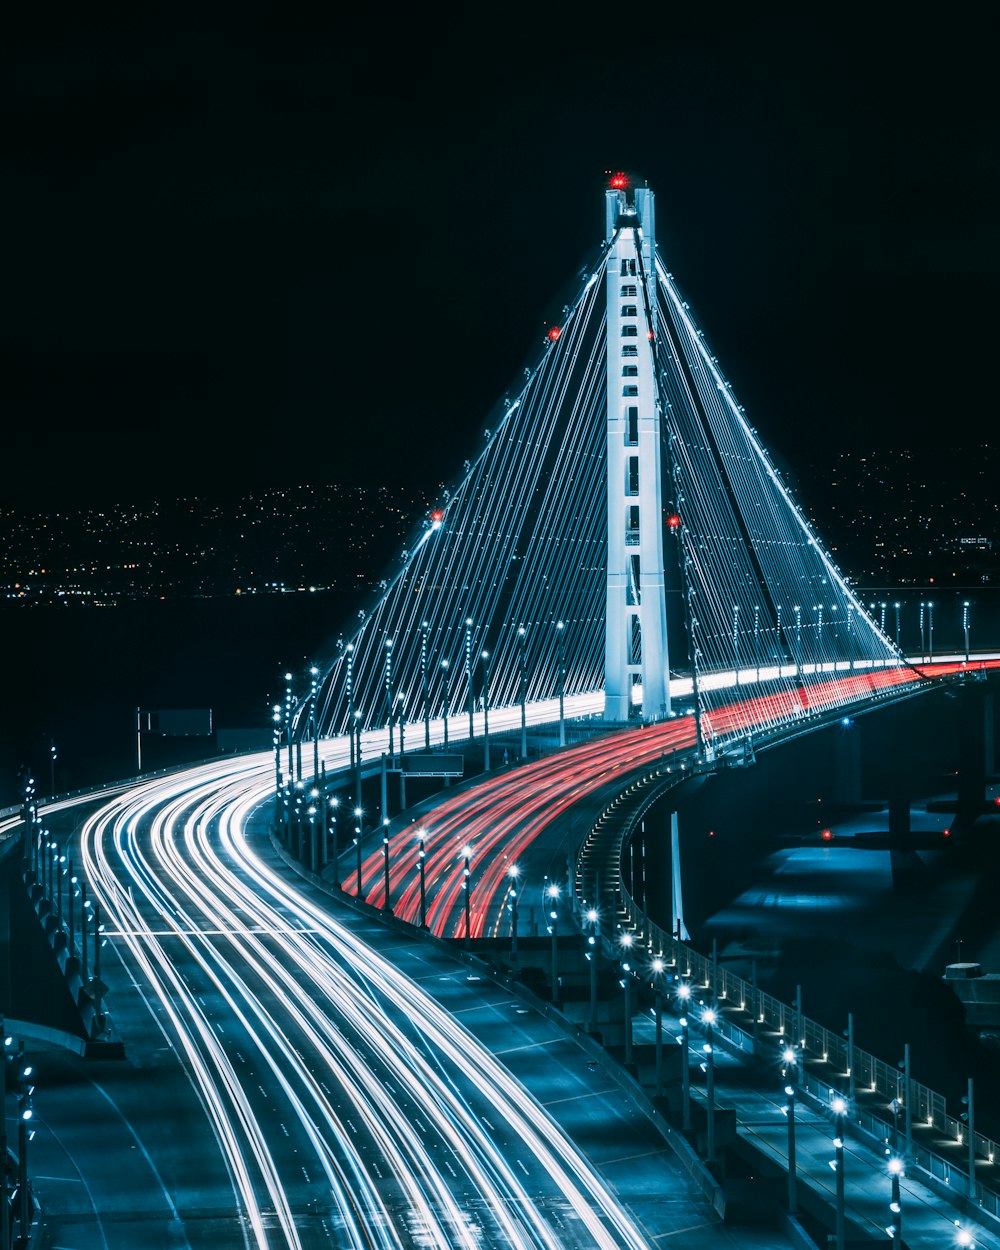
pixel 636 658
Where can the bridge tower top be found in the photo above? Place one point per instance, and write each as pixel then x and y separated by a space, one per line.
pixel 636 666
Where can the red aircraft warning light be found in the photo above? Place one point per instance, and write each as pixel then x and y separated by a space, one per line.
pixel 674 521
pixel 554 332
pixel 827 835
pixel 619 182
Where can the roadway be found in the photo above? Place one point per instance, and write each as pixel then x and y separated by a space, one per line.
pixel 299 1076
pixel 298 1084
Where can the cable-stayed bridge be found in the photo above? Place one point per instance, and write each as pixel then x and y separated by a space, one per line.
pixel 622 533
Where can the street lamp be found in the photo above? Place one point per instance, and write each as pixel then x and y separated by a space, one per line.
pixel 683 998
pixel 422 865
pixel 335 848
pixel 425 682
pixel 389 701
pixel 514 873
pixel 552 894
pixel 313 695
pixel 839 1107
pixel 963 1237
pixel 791 1079
pixel 626 984
pixel 385 854
pixel 708 1019
pixel 895 1225
pixel 523 678
pixel 486 711
pixel 966 607
pixel 592 918
pixel 467 856
pixel 468 672
pixel 357 843
pixel 657 967
pixel 562 682
pixel 444 691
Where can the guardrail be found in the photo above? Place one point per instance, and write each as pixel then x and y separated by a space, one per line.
pixel 871 1075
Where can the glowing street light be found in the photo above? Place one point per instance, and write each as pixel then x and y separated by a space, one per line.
pixel 444 692
pixel 514 873
pixel 838 1106
pixel 560 627
pixel 683 998
pixel 486 711
pixel 422 865
pixel 385 854
pixel 895 1225
pixel 791 1080
pixel 626 983
pixel 657 968
pixel 708 1020
pixel 552 895
pixel 592 921
pixel 523 683
pixel 467 856
pixel 357 843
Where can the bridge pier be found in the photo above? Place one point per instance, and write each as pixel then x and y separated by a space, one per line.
pixel 847 787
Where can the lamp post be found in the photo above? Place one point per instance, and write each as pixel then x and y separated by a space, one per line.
pixel 357 843
pixel 468 673
pixel 930 630
pixel 791 1080
pixel 467 856
pixel 385 855
pixel 562 682
pixel 422 865
pixel 335 847
pixel 24 1117
pixel 966 608
pixel 895 1225
pixel 514 873
pixel 425 682
pixel 923 631
pixel 486 711
pixel 683 998
pixel 444 691
pixel 839 1107
pixel 4 1224
pixel 708 1018
pixel 897 607
pixel 592 919
pixel 552 895
pixel 312 812
pixel 288 722
pixel 390 706
pixel 626 984
pixel 523 682
pixel 313 696
pixel 657 968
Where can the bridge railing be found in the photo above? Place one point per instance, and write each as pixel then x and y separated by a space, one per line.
pixel 875 1080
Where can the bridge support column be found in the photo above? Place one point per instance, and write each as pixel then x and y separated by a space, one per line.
pixel 677 925
pixel 847 765
pixel 975 747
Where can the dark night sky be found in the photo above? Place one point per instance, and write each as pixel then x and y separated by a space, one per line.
pixel 277 244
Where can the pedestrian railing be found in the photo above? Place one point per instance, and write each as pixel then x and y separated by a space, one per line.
pixel 853 1068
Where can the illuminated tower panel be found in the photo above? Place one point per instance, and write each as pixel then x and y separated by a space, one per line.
pixel 636 656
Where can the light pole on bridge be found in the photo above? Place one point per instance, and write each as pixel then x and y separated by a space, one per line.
pixel 444 692
pixel 425 682
pixel 422 865
pixel 523 678
pixel 468 674
pixel 560 628
pixel 791 1079
pixel 514 873
pixel 486 711
pixel 552 897
pixel 467 857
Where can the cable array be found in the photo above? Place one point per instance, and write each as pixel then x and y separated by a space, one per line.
pixel 502 592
